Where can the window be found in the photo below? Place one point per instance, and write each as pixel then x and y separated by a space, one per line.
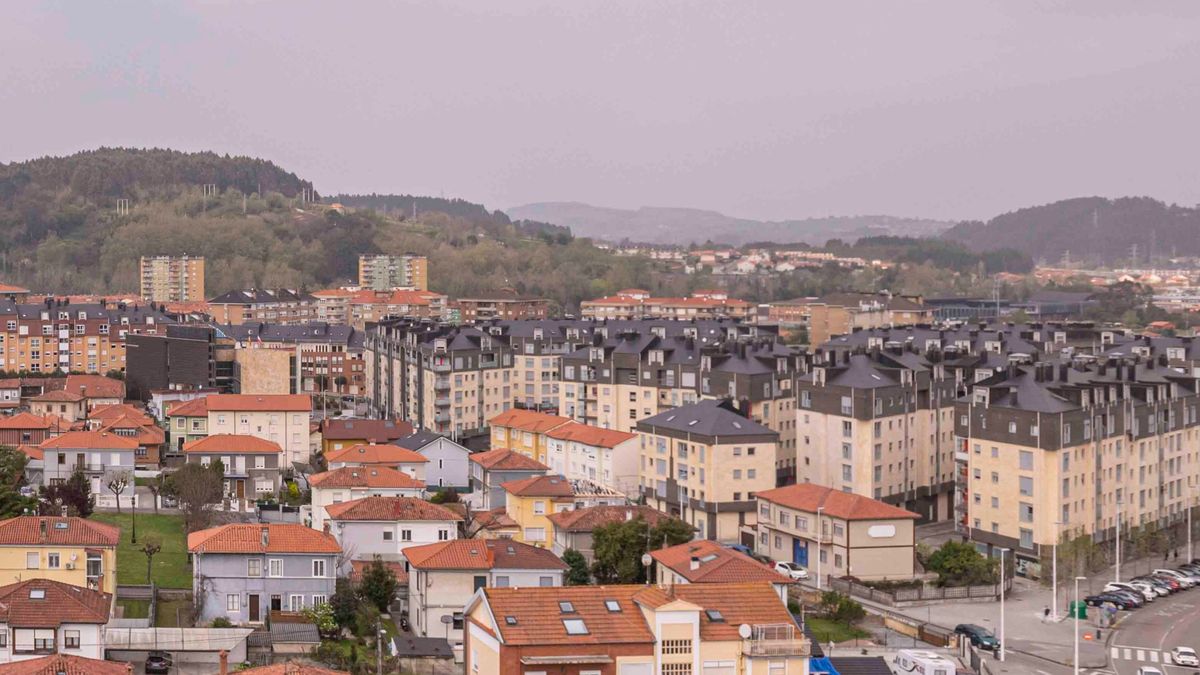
pixel 443 535
pixel 388 535
pixel 1026 459
pixel 847 428
pixel 1026 538
pixel 1026 486
pixel 676 669
pixel 545 582
pixel 31 560
pixel 320 600
pixel 575 627
pixel 1026 512
pixel 71 639
pixel 535 534
pixel 318 568
pixel 405 535
pixel 233 602
pixel 296 602
pixel 502 581
pixel 612 605
pixel 275 567
pixel 676 646
pixel 539 508
pixel 52 561
pixel 566 607
pixel 254 567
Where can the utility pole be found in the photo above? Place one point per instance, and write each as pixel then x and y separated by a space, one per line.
pixel 378 648
pixel 1002 641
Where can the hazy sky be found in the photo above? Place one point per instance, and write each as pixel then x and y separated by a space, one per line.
pixel 955 109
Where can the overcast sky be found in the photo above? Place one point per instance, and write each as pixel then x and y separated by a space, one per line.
pixel 955 109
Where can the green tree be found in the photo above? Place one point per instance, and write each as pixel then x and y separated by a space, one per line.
pixel 12 478
pixel 961 564
pixel 322 615
pixel 75 495
pixel 445 496
pixel 197 488
pixel 344 602
pixel 378 585
pixel 619 547
pixel 578 574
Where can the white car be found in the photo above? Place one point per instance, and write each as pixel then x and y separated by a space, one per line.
pixel 1185 581
pixel 1137 589
pixel 1149 670
pixel 1185 656
pixel 791 569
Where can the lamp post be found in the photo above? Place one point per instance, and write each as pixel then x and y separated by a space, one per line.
pixel 1054 569
pixel 1118 569
pixel 820 538
pixel 1191 555
pixel 1002 642
pixel 1075 618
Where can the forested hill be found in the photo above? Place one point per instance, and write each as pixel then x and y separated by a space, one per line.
pixel 1091 229
pixel 407 206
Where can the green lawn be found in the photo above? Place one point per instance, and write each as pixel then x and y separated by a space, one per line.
pixel 827 630
pixel 171 568
pixel 134 609
pixel 168 613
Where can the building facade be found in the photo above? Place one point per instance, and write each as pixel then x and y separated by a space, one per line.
pixel 167 278
pixel 384 272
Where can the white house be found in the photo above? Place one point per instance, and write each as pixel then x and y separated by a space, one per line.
pixel 355 482
pixel 449 462
pixel 386 526
pixel 41 616
pixel 373 455
pixel 605 457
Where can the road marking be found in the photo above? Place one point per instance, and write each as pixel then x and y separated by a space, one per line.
pixel 1128 653
pixel 1141 655
pixel 1116 653
pixel 1166 658
pixel 1153 657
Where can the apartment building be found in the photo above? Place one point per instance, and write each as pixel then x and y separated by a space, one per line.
pixel 506 306
pixel 531 501
pixel 879 425
pixel 75 551
pixel 283 305
pixel 604 457
pixel 524 431
pixel 386 526
pixel 280 418
pixel 368 306
pixel 252 465
pixel 635 303
pixel 381 272
pixel 1072 446
pixel 181 357
pixel 703 463
pixel 60 336
pixel 310 357
pixel 634 630
pixel 840 313
pixel 166 278
pixel 849 534
pixel 492 469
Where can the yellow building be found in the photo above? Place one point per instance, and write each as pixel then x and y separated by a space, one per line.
pixel 524 431
pixel 167 278
pixel 530 500
pixel 72 550
pixel 731 629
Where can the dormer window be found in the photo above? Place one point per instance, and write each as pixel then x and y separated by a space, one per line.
pixel 566 607
pixel 575 626
pixel 612 605
pixel 714 615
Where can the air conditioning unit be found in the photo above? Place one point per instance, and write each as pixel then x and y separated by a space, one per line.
pixel 70 566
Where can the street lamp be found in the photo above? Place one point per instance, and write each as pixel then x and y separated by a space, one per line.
pixel 1075 618
pixel 1191 555
pixel 1002 641
pixel 1119 503
pixel 820 537
pixel 1054 569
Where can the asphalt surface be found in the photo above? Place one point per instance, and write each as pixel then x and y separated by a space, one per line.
pixel 1146 636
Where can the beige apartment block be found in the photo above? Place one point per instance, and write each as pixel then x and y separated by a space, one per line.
pixel 167 278
pixel 280 418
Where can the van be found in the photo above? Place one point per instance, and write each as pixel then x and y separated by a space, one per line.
pixel 922 662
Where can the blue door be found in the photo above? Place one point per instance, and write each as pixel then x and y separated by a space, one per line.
pixel 800 552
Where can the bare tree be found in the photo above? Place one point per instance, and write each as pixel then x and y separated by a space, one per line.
pixel 150 548
pixel 156 487
pixel 117 484
pixel 197 488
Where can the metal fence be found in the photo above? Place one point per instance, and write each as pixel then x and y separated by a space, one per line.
pixel 923 593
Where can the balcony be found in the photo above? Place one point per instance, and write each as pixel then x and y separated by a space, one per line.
pixel 442 401
pixel 443 367
pixel 441 416
pixel 442 384
pixel 775 640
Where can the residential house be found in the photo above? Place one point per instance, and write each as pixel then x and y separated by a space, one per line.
pixel 187 422
pixel 67 405
pixel 242 571
pixel 443 577
pixel 448 462
pixel 352 482
pixel 72 550
pixel 703 463
pixel 337 433
pixel 389 456
pixel 252 465
pixel 573 529
pixel 530 502
pixel 704 561
pixel 606 457
pixel 492 469
pixel 149 438
pixel 104 415
pixel 64 664
pixel 524 431
pixel 282 305
pixel 100 455
pixel 281 418
pixel 96 390
pixel 44 616
pixel 386 526
pixel 634 630
pixel 29 429
pixel 10 394
pixel 853 535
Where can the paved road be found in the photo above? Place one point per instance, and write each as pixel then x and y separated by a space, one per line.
pixel 1146 636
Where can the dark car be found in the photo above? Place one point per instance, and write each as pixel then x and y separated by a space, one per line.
pixel 1120 601
pixel 1169 581
pixel 978 635
pixel 1135 599
pixel 158 662
pixel 1155 582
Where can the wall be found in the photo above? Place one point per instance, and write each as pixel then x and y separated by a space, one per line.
pixel 225 574
pixel 363 540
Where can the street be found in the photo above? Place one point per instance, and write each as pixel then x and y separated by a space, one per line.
pixel 1147 636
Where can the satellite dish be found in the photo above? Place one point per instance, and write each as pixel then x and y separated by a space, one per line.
pixel 745 631
pixel 646 560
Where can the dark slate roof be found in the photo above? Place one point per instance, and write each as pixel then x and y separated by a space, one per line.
pixel 416 440
pixel 312 332
pixel 707 418
pixel 294 632
pixel 860 665
pixel 259 296
pixel 113 312
pixel 408 644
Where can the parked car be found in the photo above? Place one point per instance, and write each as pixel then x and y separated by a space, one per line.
pixel 158 662
pixel 1147 595
pixel 1149 670
pixel 1185 656
pixel 791 569
pixel 1135 598
pixel 740 548
pixel 978 635
pixel 1170 581
pixel 1185 580
pixel 1120 601
pixel 1160 589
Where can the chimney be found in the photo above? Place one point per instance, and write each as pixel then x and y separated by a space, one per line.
pixel 1062 372
pixel 266 536
pixel 43 527
pixel 695 564
pixel 328 526
pixel 224 656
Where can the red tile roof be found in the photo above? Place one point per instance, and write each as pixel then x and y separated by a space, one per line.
pixel 539 486
pixel 234 444
pixel 32 451
pixel 197 407
pixel 145 433
pixel 590 435
pixel 539 618
pixel 290 668
pixel 360 453
pixel 95 386
pixel 588 519
pixel 752 603
pixel 72 531
pixel 481 554
pixel 716 564
pixel 379 431
pixel 837 504
pixel 58 603
pixel 58 396
pixel 495 519
pixel 527 420
pixel 260 402
pixel 503 459
pixel 107 413
pixel 25 420
pixel 248 538
pixel 364 477
pixel 66 664
pixel 89 440
pixel 391 509
pixel 358 567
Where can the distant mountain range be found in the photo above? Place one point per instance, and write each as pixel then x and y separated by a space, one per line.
pixel 663 225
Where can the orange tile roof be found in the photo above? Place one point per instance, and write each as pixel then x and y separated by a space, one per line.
pixel 716 563
pixel 58 396
pixel 375 454
pixel 32 451
pixel 396 297
pixel 89 440
pixel 95 386
pixel 589 518
pixel 495 519
pixel 539 486
pixel 145 433
pixel 378 431
pixel 751 602
pixel 503 459
pixel 235 444
pixel 391 509
pixel 481 554
pixel 590 435
pixel 60 603
pixel 66 664
pixel 364 477
pixel 358 567
pixel 197 407
pixel 9 288
pixel 539 618
pixel 260 402
pixel 527 420
pixel 25 420
pixel 837 504
pixel 71 531
pixel 117 410
pixel 247 538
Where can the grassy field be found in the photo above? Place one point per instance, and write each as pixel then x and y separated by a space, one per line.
pixel 134 609
pixel 171 568
pixel 169 612
pixel 826 630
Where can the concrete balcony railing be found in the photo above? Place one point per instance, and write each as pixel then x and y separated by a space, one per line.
pixel 782 639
